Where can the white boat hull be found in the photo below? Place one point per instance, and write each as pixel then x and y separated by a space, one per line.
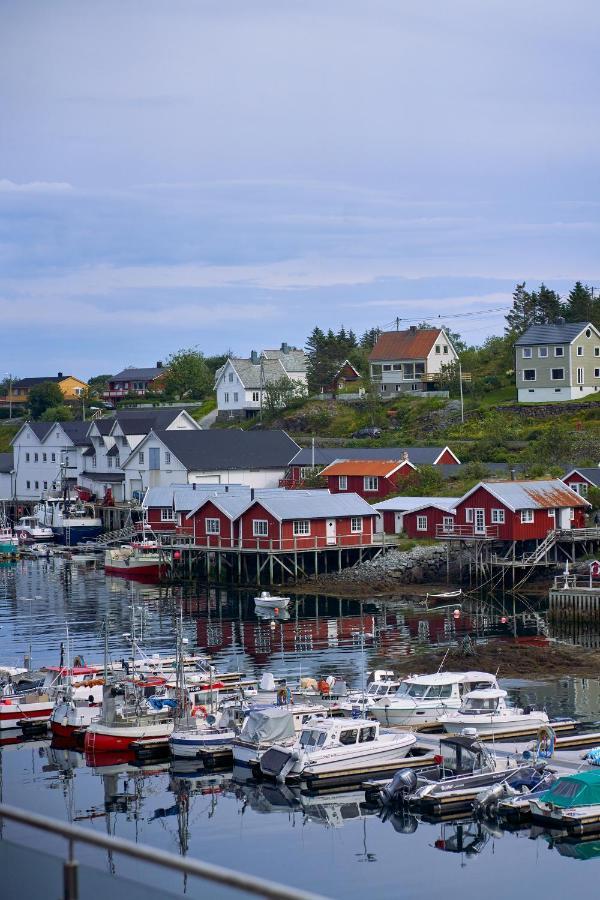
pixel 425 713
pixel 187 745
pixel 522 724
pixel 340 759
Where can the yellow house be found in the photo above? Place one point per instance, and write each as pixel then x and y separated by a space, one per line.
pixel 18 391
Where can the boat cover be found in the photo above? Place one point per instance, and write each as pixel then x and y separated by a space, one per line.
pixel 269 725
pixel 581 789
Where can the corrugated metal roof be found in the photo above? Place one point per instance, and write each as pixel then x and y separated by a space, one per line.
pixel 315 505
pixel 383 468
pixel 544 494
pixel 552 334
pixel 408 504
pixel 404 344
pixel 324 456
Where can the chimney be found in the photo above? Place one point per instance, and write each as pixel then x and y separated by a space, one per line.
pixel 254 358
pixel 251 494
pixel 60 374
pixel 513 475
pixel 159 364
pixel 285 348
pixel 413 329
pixel 194 486
pixel 405 456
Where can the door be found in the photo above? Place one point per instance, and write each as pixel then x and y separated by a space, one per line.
pixel 564 518
pixel 330 531
pixel 154 458
pixel 399 522
pixel 479 515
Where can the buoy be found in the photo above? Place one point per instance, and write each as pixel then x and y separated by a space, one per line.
pixel 176 555
pixel 456 613
pixel 276 609
pixel 503 620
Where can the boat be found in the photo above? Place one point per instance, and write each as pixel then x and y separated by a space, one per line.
pixel 134 561
pixel 265 726
pixel 487 711
pixel 33 696
pixel 71 521
pixel 327 747
pixel 572 803
pixel 206 735
pixel 423 699
pixel 9 542
pixel 383 685
pixel 464 768
pixel 265 600
pixel 29 531
pixel 122 724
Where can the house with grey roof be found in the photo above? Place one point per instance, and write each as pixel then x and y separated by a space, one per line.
pixel 240 383
pixel 45 453
pixel 134 380
pixel 557 362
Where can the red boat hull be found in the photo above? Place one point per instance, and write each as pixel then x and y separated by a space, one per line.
pixel 9 717
pixel 111 743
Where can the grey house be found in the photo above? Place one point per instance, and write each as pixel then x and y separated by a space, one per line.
pixel 557 362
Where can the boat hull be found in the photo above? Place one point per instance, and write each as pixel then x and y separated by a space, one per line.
pixel 12 712
pixel 189 747
pixel 526 724
pixel 141 570
pixel 75 534
pixel 67 719
pixel 411 717
pixel 106 739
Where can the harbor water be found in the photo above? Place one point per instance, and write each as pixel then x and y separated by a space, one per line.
pixel 332 844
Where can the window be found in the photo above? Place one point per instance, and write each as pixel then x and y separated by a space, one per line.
pixel 260 528
pixel 255 396
pixel 419 369
pixel 45 485
pixel 579 350
pixel 375 370
pixel 528 374
pixel 526 516
pixel 398 387
pixel 527 353
pixel 498 516
pixel 94 461
pixel 343 482
pixel 53 457
pixel 387 368
pixel 445 348
pixel 421 523
pixel 596 351
pixel 37 484
pixel 108 461
pixel 356 524
pixel 27 457
pixel 551 513
pixel 384 387
pixel 141 457
pixel 438 349
pixel 349 737
pixel 212 526
pixel 167 458
pixel 301 527
pixel 542 352
pixel 557 374
pixel 231 378
pixel 167 514
pixel 226 397
pixel 409 371
pixel 35 457
pixel 235 397
pixel 28 485
pixel 588 332
pixel 117 460
pixel 44 457
pixel 397 367
pixel 371 483
pixel 447 524
pixel 596 373
pixel 572 514
pixel 580 376
pixel 469 515
pixel 559 351
pixel 582 489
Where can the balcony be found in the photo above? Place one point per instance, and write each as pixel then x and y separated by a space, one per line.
pixel 466 532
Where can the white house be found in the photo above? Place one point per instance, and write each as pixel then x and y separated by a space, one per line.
pixel 240 383
pixel 410 360
pixel 46 452
pixel 255 458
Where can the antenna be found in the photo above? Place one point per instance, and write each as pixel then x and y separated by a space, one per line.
pixel 441 665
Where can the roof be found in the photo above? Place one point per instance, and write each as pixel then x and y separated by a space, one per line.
pixel 77 431
pixel 544 494
pixel 227 449
pixel 233 499
pixel 114 451
pixel 31 382
pixel 407 504
pixel 450 470
pixel 451 678
pixel 292 361
pixel 590 473
pixel 89 451
pixel 579 789
pixel 564 333
pixel 318 504
pixel 383 468
pixel 111 476
pixel 133 374
pixel 250 373
pixel 409 344
pixel 6 462
pixel 40 429
pixel 166 496
pixel 324 456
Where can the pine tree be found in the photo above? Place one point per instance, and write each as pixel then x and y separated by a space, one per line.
pixel 580 304
pixel 520 316
pixel 547 307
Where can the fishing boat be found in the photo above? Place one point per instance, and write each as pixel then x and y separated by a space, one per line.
pixel 334 746
pixel 572 803
pixel 424 699
pixel 121 724
pixel 487 711
pixel 71 521
pixel 134 561
pixel 266 601
pixel 33 697
pixel 265 726
pixel 29 531
pixel 210 734
pixel 9 542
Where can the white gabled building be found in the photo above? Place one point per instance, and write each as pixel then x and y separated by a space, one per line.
pixel 44 453
pixel 240 383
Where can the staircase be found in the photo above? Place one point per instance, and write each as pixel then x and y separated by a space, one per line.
pixel 114 537
pixel 531 559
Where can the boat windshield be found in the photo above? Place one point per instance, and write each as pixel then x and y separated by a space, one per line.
pixel 415 689
pixel 378 690
pixel 310 738
pixel 478 705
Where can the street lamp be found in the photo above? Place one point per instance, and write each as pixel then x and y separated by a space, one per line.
pixel 10 384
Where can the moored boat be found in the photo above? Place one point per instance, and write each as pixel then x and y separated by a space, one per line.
pixel 131 561
pixel 424 699
pixel 265 726
pixel 29 531
pixel 487 711
pixel 267 601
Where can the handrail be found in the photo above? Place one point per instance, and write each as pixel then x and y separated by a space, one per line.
pixel 251 884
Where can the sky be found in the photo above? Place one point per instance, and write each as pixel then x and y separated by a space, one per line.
pixel 226 175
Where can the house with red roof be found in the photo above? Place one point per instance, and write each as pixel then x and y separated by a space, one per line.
pixel 373 479
pixel 410 360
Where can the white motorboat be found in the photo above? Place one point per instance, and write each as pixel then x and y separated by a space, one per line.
pixel 212 734
pixel 422 699
pixel 36 702
pixel 383 685
pixel 266 601
pixel 265 726
pixel 29 531
pixel 333 746
pixel 488 712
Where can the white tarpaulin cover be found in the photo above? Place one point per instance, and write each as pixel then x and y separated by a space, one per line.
pixel 269 725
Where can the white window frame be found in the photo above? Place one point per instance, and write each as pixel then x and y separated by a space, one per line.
pixel 529 380
pixel 498 517
pixel 438 349
pixel 469 515
pixel 421 523
pixel 553 377
pixel 260 528
pixel 342 482
pixel 371 483
pixel 527 353
pixel 235 396
pixel 552 514
pixel 527 517
pixel 212 526
pixel 579 349
pixel 301 527
pixel 231 378
pixel 141 458
pixel 583 489
pixel 542 352
pixel 580 375
pixel 356 525
pixel 559 351
pixel 226 397
pixel 572 514
pixel 447 524
pixel 596 351
pixel 596 373
pixel 255 396
pixel 167 514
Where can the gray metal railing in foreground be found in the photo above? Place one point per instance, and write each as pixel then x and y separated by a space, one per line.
pixel 75 834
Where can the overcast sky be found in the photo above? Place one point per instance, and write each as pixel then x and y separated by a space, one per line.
pixel 228 174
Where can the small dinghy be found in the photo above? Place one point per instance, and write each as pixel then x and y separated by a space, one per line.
pixel 266 601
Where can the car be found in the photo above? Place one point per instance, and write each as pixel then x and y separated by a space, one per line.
pixel 371 432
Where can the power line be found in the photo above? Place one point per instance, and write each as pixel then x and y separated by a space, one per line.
pixel 442 317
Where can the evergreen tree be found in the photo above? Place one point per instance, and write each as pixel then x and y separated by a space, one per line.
pixel 546 306
pixel 580 304
pixel 520 315
pixel 369 339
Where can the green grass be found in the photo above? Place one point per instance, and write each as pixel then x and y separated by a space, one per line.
pixel 205 407
pixel 7 433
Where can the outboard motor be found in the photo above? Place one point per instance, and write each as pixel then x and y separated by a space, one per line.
pixel 402 785
pixel 486 802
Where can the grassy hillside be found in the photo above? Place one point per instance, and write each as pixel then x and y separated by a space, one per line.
pixel 7 433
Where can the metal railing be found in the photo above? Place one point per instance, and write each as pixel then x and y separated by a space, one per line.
pixel 75 834
pixel 298 543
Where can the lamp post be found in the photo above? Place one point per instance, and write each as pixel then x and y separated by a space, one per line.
pixel 10 384
pixel 460 386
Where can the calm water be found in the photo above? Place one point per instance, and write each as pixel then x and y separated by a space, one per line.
pixel 330 844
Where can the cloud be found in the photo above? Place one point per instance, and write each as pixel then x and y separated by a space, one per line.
pixel 34 187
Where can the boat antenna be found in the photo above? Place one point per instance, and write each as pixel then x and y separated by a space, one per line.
pixel 106 650
pixel 441 665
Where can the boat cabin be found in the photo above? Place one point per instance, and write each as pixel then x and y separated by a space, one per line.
pixel 462 755
pixel 324 733
pixel 445 685
pixel 483 702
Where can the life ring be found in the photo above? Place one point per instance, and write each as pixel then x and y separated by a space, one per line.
pixel 197 710
pixel 546 738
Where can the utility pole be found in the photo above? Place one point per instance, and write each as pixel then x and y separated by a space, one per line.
pixel 397 323
pixel 460 387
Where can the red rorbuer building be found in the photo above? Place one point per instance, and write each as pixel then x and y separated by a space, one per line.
pixel 371 479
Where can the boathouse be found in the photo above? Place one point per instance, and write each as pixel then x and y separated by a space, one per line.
pixel 394 510
pixel 436 516
pixel 369 478
pixel 582 479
